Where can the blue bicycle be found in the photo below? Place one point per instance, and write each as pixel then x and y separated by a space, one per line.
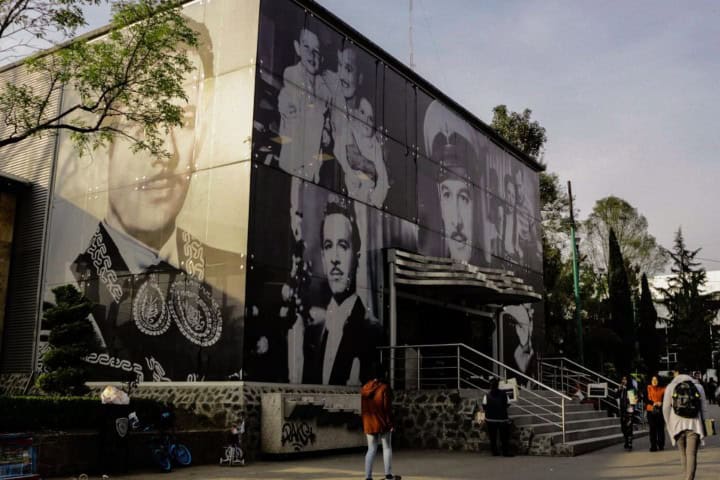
pixel 164 448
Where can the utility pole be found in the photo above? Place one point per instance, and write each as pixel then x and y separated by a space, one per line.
pixel 410 34
pixel 576 277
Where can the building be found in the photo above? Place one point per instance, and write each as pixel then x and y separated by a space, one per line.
pixel 322 200
pixel 711 290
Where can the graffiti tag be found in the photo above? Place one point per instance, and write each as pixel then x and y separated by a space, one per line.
pixel 299 435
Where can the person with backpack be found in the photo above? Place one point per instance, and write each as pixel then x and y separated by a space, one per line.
pixel 685 409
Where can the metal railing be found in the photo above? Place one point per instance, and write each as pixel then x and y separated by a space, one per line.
pixel 570 377
pixel 458 366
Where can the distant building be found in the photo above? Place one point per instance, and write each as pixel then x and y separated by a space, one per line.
pixel 711 289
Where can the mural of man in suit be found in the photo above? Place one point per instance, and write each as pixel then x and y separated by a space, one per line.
pixel 339 350
pixel 165 307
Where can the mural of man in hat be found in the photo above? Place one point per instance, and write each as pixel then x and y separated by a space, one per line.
pixel 456 149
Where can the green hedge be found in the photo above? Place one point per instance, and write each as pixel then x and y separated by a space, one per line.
pixel 33 414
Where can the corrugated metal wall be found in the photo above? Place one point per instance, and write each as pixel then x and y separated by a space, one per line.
pixel 31 160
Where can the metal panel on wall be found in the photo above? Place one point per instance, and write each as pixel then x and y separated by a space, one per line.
pixel 351 157
pixel 159 244
pixel 30 160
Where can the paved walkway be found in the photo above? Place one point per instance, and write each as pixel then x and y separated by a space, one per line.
pixel 610 463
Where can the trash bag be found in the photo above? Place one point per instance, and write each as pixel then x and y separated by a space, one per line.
pixel 115 396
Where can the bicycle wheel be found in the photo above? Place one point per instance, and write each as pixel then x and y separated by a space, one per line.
pixel 181 454
pixel 161 459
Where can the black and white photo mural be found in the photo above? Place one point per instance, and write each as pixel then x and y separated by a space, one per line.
pixel 350 157
pixel 159 244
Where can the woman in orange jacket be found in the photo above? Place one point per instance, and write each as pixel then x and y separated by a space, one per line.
pixel 376 408
pixel 653 406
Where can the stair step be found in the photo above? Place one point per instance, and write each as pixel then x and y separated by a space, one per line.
pixel 578 447
pixel 572 425
pixel 581 433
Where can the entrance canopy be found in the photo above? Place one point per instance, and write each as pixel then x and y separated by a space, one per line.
pixel 444 278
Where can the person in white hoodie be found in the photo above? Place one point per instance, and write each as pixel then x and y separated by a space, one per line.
pixel 685 409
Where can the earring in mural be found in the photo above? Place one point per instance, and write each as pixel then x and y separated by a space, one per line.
pixel 149 310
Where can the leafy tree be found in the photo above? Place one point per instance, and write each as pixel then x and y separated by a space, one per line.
pixel 620 306
pixel 690 313
pixel 648 338
pixel 71 338
pixel 529 137
pixel 517 128
pixel 133 76
pixel 638 247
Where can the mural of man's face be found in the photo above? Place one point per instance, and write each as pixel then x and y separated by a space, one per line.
pixel 348 73
pixel 456 209
pixel 337 252
pixel 146 193
pixel 308 49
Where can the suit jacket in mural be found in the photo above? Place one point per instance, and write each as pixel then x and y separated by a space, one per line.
pixel 165 323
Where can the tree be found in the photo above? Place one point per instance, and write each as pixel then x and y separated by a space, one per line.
pixel 517 128
pixel 648 338
pixel 71 338
pixel 620 306
pixel 129 84
pixel 638 247
pixel 690 313
pixel 529 137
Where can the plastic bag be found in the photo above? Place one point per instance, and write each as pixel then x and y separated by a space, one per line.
pixel 115 396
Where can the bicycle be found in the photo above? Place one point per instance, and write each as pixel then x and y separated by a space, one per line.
pixel 164 448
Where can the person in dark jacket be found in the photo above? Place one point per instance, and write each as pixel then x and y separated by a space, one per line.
pixel 627 398
pixel 376 408
pixel 495 404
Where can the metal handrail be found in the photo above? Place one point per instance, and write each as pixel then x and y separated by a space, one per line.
pixel 583 367
pixel 486 357
pixel 567 375
pixel 545 413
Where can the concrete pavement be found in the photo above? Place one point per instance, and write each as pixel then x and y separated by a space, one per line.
pixel 610 463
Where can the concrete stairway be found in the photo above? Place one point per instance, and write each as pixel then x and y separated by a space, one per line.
pixel 586 429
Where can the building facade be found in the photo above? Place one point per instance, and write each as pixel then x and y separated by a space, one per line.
pixel 259 250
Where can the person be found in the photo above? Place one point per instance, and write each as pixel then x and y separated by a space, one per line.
pixel 302 104
pixel 653 406
pixel 339 349
pixel 684 409
pixel 495 404
pixel 627 398
pixel 377 418
pixel 522 318
pixel 453 145
pixel 162 309
pixel 711 387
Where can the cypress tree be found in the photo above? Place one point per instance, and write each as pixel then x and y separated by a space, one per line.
pixel 690 313
pixel 648 338
pixel 71 338
pixel 621 308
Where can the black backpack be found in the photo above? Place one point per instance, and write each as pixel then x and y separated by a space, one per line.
pixel 686 399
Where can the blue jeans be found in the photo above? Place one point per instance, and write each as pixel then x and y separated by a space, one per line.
pixel 373 441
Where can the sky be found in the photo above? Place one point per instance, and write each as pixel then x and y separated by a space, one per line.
pixel 627 91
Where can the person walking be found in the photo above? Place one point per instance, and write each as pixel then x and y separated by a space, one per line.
pixel 376 409
pixel 685 408
pixel 495 404
pixel 627 398
pixel 656 421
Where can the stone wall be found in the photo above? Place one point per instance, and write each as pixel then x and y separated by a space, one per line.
pixel 432 419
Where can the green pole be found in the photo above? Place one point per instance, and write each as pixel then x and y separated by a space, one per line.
pixel 576 278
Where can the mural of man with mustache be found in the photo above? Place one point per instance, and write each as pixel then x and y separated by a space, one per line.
pixel 454 148
pixel 340 348
pixel 161 304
